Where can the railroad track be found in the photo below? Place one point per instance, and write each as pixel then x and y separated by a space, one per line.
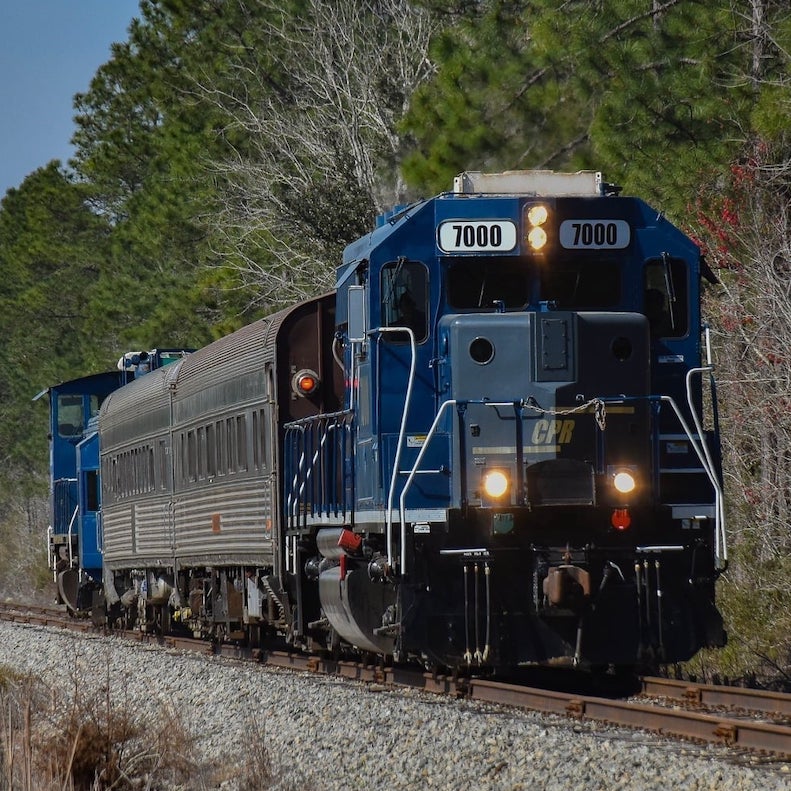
pixel 750 720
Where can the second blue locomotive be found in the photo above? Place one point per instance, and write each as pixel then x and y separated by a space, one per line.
pixel 486 448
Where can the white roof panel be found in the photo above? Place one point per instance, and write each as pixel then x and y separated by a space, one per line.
pixel 530 182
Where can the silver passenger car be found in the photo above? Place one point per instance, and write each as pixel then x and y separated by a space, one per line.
pixel 190 455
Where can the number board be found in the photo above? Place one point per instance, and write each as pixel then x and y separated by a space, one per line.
pixel 595 234
pixel 477 236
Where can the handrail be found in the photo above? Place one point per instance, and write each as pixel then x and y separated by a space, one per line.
pixel 720 546
pixel 700 447
pixel 404 414
pixel 71 525
pixel 305 463
pixel 706 461
pixel 408 483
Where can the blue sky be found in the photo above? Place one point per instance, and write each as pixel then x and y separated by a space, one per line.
pixel 49 50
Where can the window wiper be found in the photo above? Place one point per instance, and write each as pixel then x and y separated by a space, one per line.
pixel 670 289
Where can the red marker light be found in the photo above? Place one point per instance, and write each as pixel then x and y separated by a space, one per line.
pixel 621 519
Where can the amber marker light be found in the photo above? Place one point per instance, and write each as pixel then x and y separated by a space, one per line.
pixel 495 483
pixel 305 382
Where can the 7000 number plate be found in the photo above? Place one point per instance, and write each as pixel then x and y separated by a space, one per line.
pixel 477 236
pixel 595 234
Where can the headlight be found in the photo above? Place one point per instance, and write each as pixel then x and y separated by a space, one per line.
pixel 495 483
pixel 537 238
pixel 537 215
pixel 624 482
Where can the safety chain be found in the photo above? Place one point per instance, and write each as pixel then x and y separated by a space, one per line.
pixel 599 410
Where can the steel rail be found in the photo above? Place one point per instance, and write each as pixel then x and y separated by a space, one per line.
pixel 715 729
pixel 716 695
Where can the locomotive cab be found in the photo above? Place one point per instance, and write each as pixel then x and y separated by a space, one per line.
pixel 74 535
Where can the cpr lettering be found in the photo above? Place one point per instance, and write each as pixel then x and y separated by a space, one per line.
pixel 552 432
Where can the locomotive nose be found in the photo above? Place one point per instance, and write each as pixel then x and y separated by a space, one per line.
pixel 532 388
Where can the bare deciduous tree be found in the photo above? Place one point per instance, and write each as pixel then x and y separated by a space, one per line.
pixel 747 229
pixel 320 146
pixel 752 317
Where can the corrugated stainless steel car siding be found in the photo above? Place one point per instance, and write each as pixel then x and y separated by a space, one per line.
pixel 231 357
pixel 239 389
pixel 228 519
pixel 229 372
pixel 141 407
pixel 138 531
pixel 141 531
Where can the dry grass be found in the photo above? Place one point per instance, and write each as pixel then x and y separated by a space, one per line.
pixel 55 742
pixel 88 744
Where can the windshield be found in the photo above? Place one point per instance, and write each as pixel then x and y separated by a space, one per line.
pixel 581 284
pixel 488 283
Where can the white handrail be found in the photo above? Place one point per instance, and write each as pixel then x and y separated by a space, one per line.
pixel 407 484
pixel 720 546
pixel 401 432
pixel 702 451
pixel 414 471
pixel 71 525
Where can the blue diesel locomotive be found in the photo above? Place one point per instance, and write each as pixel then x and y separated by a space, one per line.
pixel 494 445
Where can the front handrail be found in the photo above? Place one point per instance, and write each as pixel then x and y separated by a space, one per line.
pixel 407 484
pixel 413 472
pixel 704 456
pixel 706 461
pixel 698 444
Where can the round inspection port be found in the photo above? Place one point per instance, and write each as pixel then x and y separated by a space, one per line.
pixel 482 351
pixel 621 348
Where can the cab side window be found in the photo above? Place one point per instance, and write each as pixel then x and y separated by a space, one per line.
pixel 665 297
pixel 405 299
pixel 70 415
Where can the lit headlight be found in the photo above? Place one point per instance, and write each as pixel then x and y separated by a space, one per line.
pixel 495 483
pixel 537 238
pixel 537 215
pixel 624 482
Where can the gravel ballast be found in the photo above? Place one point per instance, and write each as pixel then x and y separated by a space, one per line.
pixel 326 733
